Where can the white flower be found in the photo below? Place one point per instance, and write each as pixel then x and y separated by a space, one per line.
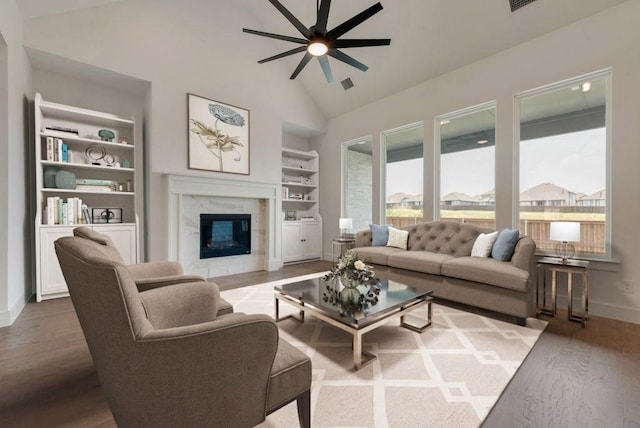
pixel 359 265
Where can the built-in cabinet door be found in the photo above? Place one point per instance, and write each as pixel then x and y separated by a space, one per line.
pixel 51 276
pixel 291 245
pixel 124 238
pixel 52 282
pixel 301 240
pixel 311 237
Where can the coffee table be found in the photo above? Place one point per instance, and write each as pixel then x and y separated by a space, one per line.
pixel 395 299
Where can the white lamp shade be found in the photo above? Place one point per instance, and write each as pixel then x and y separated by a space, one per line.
pixel 346 223
pixel 565 231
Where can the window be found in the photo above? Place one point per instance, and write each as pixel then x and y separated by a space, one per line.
pixel 403 149
pixel 563 161
pixel 467 165
pixel 357 176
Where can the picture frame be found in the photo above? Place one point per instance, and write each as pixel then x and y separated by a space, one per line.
pixel 106 215
pixel 218 136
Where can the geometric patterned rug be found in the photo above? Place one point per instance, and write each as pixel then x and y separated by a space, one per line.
pixel 450 375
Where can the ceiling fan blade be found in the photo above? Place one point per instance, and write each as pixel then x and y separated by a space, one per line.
pixel 323 16
pixel 359 43
pixel 347 59
pixel 283 54
pixel 292 19
pixel 324 63
pixel 355 21
pixel 304 61
pixel 275 36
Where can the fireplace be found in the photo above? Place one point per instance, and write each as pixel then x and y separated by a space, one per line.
pixel 224 235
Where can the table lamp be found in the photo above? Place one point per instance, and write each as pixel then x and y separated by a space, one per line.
pixel 566 232
pixel 346 224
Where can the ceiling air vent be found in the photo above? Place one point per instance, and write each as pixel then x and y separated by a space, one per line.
pixel 517 4
pixel 347 84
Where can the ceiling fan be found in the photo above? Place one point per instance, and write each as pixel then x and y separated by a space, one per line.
pixel 320 42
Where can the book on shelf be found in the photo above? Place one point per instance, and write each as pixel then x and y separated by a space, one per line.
pixel 93 187
pixel 95 182
pixel 50 148
pixel 65 152
pixel 71 211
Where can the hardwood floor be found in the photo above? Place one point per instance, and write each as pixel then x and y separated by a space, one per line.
pixel 573 377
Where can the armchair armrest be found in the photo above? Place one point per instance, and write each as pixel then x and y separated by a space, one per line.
pixel 223 368
pixel 154 269
pixel 146 284
pixel 181 304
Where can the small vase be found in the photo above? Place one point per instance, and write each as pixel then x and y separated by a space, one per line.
pixel 348 282
pixel 350 297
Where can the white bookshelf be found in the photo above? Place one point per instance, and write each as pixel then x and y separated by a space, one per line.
pixel 121 195
pixel 302 237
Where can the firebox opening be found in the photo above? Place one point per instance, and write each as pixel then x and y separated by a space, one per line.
pixel 224 235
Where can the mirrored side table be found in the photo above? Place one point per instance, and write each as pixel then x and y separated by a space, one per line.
pixel 343 245
pixel 570 267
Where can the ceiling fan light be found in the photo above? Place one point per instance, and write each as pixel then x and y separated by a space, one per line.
pixel 317 48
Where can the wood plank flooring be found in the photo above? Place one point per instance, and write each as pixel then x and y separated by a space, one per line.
pixel 573 377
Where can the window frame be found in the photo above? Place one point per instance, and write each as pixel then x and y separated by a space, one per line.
pixel 437 152
pixel 607 74
pixel 383 165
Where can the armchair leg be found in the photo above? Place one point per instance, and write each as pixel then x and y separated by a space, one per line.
pixel 304 409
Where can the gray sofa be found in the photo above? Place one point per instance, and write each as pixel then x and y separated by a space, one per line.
pixel 438 257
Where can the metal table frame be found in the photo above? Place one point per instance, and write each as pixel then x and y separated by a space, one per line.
pixel 555 265
pixel 360 357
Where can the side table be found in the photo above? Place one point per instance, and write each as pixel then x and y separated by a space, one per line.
pixel 343 244
pixel 570 267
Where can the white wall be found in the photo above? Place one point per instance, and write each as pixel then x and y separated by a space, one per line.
pixel 608 39
pixel 15 223
pixel 152 40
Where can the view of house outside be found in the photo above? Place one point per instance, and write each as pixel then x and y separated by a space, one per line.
pixel 562 178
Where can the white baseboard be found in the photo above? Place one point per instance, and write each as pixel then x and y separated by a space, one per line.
pixel 603 309
pixel 8 317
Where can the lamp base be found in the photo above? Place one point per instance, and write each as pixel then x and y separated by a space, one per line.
pixel 565 250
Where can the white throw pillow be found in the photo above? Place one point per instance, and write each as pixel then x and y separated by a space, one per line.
pixel 398 238
pixel 483 245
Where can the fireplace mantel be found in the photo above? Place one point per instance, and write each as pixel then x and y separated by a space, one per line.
pixel 180 186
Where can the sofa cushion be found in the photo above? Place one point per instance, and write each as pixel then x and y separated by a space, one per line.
pixel 487 271
pixel 505 244
pixel 398 238
pixel 290 375
pixel 418 261
pixel 377 255
pixel 379 234
pixel 484 244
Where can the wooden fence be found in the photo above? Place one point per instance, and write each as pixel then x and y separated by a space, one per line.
pixel 592 233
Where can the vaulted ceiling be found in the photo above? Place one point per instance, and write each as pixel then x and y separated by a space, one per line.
pixel 428 38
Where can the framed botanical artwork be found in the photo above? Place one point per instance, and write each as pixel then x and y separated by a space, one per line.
pixel 218 136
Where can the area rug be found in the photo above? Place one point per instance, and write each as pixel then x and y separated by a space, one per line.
pixel 451 375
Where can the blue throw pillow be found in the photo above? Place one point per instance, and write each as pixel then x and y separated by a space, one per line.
pixel 505 244
pixel 379 234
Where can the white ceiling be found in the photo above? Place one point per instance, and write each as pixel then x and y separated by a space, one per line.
pixel 428 38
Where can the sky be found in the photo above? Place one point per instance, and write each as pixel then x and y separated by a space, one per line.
pixel 574 161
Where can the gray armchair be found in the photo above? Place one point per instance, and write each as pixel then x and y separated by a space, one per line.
pixel 167 357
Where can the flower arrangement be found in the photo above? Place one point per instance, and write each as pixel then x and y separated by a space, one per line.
pixel 351 272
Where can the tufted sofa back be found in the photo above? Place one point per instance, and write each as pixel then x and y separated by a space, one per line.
pixel 445 237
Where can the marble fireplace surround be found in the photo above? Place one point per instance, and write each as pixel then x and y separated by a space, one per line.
pixel 185 193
